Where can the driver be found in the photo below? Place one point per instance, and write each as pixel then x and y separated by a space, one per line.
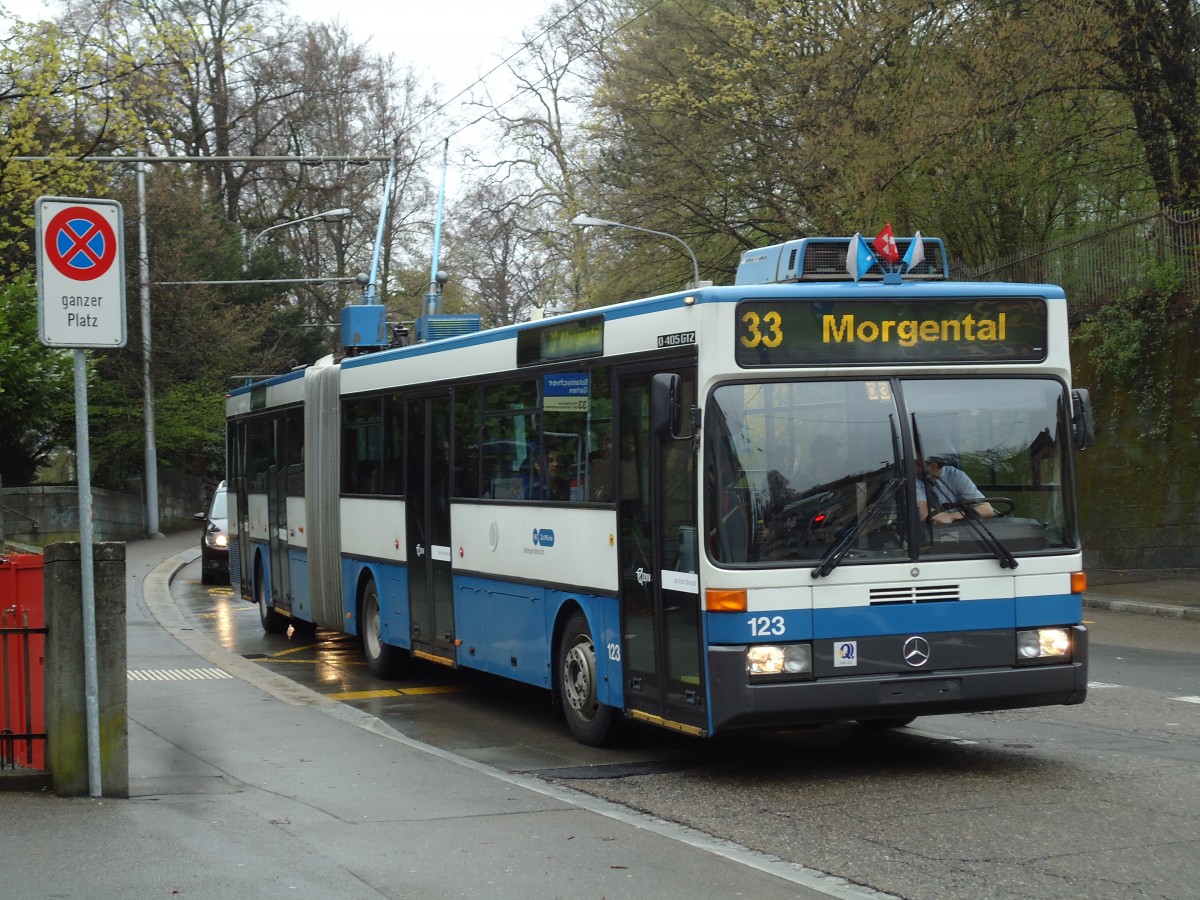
pixel 949 485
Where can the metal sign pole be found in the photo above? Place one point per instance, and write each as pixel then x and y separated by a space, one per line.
pixel 150 482
pixel 81 303
pixel 87 575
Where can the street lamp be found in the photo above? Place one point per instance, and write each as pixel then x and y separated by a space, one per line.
pixel 592 221
pixel 330 215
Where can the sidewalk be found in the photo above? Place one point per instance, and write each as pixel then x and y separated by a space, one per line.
pixel 1159 592
pixel 244 784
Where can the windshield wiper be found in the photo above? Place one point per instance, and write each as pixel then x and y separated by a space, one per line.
pixel 986 536
pixel 838 551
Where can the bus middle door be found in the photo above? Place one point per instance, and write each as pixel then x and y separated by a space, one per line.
pixel 429 479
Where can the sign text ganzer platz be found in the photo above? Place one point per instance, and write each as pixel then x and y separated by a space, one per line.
pixel 81 272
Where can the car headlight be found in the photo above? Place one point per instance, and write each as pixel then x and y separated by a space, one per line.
pixel 1043 645
pixel 217 540
pixel 779 661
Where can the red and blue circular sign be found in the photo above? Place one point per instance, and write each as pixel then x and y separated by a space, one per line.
pixel 80 243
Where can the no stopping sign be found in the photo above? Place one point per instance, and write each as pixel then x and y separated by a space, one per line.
pixel 81 272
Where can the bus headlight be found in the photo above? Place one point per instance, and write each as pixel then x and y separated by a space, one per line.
pixel 770 661
pixel 1043 645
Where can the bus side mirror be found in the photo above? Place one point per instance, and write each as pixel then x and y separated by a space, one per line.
pixel 666 405
pixel 1083 428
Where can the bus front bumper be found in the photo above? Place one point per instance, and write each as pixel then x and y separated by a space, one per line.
pixel 738 703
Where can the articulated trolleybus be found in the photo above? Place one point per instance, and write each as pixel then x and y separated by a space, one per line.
pixel 836 490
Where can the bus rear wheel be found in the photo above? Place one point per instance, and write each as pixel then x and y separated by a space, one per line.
pixel 384 660
pixel 591 722
pixel 272 621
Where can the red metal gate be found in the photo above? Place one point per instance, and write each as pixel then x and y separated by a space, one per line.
pixel 22 663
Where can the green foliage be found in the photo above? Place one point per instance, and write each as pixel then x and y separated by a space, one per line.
pixel 1126 337
pixel 990 124
pixel 1124 332
pixel 58 104
pixel 36 387
pixel 1165 279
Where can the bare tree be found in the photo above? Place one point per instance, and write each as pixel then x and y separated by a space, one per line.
pixel 502 271
pixel 540 126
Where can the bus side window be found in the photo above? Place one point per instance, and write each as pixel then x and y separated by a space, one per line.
pixel 393 445
pixel 467 458
pixel 362 448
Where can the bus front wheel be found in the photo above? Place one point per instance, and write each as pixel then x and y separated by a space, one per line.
pixel 591 722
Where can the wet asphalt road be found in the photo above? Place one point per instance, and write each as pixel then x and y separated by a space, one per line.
pixel 1098 800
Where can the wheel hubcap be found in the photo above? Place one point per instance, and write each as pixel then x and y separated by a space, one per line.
pixel 577 678
pixel 372 628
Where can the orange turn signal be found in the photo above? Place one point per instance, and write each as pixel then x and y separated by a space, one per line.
pixel 724 601
pixel 1078 582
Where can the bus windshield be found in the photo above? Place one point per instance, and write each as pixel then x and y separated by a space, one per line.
pixel 799 469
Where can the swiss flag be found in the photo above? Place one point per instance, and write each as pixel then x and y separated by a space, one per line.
pixel 885 245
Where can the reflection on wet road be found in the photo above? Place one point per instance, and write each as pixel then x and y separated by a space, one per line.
pixel 485 718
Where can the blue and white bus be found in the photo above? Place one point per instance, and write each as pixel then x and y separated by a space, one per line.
pixel 727 507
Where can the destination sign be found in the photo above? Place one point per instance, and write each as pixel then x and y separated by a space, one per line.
pixel 870 332
pixel 561 340
pixel 566 392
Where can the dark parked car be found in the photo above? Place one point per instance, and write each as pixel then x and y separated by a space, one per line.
pixel 214 545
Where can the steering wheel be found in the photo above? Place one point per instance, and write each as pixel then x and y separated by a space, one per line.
pixel 1002 506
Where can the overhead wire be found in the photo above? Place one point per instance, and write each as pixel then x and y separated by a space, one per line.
pixel 480 80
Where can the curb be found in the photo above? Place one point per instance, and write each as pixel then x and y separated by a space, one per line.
pixel 25 781
pixel 1142 607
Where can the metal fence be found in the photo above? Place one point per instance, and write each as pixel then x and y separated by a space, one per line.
pixel 22 649
pixel 1100 264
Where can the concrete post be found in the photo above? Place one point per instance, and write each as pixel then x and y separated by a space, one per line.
pixel 66 717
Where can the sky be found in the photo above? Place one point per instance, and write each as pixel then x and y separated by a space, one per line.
pixel 450 41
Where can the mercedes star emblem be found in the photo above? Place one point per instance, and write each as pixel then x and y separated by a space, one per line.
pixel 916 651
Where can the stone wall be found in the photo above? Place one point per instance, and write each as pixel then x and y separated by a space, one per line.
pixel 44 514
pixel 1139 487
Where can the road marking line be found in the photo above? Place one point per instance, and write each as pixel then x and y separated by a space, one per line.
pixel 176 674
pixel 307 662
pixel 1187 699
pixel 293 650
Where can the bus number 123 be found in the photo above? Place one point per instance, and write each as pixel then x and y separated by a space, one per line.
pixel 761 626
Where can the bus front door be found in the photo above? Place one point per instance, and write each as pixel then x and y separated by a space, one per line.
pixel 660 597
pixel 428 480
